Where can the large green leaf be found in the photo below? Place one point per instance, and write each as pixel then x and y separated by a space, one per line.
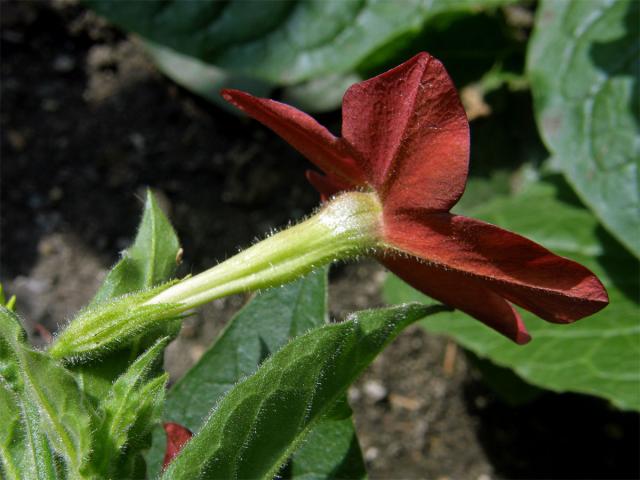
pixel 330 451
pixel 202 78
pixel 282 42
pixel 599 355
pixel 260 329
pixel 584 66
pixel 263 419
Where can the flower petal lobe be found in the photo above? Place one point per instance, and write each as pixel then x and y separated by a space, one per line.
pixel 302 132
pixel 177 436
pixel 411 134
pixel 461 292
pixel 554 288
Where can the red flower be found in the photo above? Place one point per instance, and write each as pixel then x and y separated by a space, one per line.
pixel 405 136
pixel 177 436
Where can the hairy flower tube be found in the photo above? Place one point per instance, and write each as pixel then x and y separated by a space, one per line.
pixel 405 138
pixel 344 228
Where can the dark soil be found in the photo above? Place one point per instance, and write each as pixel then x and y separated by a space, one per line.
pixel 87 123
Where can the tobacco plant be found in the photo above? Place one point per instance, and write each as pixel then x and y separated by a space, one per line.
pixel 87 405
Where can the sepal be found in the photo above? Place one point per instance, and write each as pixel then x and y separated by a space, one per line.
pixel 112 324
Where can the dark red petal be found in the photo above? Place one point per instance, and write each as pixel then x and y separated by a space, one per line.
pixel 325 185
pixel 462 292
pixel 554 288
pixel 411 133
pixel 302 132
pixel 177 436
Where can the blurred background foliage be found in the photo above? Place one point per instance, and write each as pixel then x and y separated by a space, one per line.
pixel 551 89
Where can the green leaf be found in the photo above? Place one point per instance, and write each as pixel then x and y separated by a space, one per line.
pixel 284 42
pixel 31 453
pixel 38 457
pixel 26 450
pixel 64 412
pixel 257 331
pixel 319 94
pixel 260 329
pixel 11 303
pixel 11 443
pixel 51 402
pixel 150 261
pixel 262 420
pixel 148 414
pixel 470 43
pixel 584 70
pixel 12 338
pixel 201 78
pixel 598 355
pixel 331 450
pixel 131 409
